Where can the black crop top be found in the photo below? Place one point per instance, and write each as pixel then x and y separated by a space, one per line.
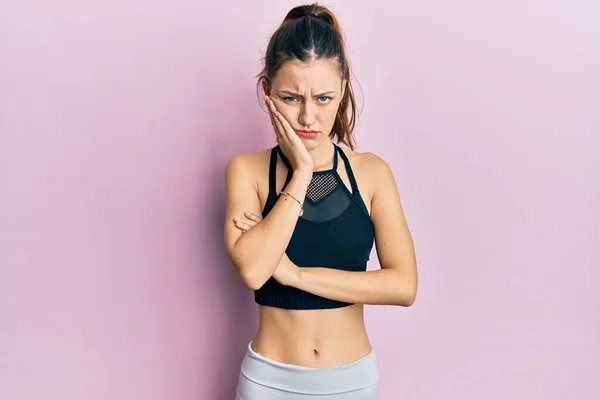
pixel 335 231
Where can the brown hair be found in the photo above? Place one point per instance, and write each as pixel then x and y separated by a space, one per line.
pixel 312 32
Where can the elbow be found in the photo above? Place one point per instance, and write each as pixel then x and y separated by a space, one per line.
pixel 406 294
pixel 251 279
pixel 405 299
pixel 409 299
pixel 411 296
pixel 250 267
pixel 252 284
pixel 247 272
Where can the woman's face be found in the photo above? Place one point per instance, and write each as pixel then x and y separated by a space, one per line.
pixel 308 95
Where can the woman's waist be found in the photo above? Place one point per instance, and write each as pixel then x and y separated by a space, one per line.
pixel 312 338
pixel 310 380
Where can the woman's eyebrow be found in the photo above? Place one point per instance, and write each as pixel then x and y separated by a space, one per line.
pixel 290 93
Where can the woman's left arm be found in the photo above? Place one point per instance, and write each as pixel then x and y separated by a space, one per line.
pixel 396 282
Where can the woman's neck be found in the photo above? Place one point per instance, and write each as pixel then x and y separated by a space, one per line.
pixel 322 155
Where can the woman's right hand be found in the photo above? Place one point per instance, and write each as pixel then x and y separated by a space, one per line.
pixel 290 143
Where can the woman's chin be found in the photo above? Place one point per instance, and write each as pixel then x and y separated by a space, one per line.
pixel 310 144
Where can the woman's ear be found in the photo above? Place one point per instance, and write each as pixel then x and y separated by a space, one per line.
pixel 265 86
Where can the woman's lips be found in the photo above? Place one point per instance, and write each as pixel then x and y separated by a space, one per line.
pixel 308 134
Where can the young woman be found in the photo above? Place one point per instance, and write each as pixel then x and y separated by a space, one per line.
pixel 301 221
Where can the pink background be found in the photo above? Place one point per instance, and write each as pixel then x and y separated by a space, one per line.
pixel 116 121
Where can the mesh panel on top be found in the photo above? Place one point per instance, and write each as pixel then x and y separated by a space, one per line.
pixel 326 198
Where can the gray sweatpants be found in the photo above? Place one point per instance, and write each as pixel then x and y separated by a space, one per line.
pixel 265 379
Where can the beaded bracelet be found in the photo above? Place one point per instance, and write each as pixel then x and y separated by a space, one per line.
pixel 297 201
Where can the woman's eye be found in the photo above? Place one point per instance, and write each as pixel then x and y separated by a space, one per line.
pixel 322 99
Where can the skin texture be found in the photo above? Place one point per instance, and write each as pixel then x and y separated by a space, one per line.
pixel 306 96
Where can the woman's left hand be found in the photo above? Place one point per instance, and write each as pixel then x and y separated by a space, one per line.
pixel 247 222
pixel 287 273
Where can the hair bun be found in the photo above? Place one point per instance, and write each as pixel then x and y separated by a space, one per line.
pixel 311 11
pixel 325 17
pixel 309 14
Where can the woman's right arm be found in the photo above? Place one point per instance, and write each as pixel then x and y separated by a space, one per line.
pixel 256 253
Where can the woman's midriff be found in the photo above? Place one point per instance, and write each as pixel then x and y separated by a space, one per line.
pixel 312 338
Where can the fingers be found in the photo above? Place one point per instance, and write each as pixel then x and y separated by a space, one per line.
pixel 243 224
pixel 284 123
pixel 271 109
pixel 248 222
pixel 286 131
pixel 274 124
pixel 276 118
pixel 253 217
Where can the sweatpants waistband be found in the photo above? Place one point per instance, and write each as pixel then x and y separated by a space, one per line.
pixel 357 375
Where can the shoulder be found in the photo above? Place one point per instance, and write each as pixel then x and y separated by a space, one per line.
pixel 367 164
pixel 372 172
pixel 247 167
pixel 248 161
